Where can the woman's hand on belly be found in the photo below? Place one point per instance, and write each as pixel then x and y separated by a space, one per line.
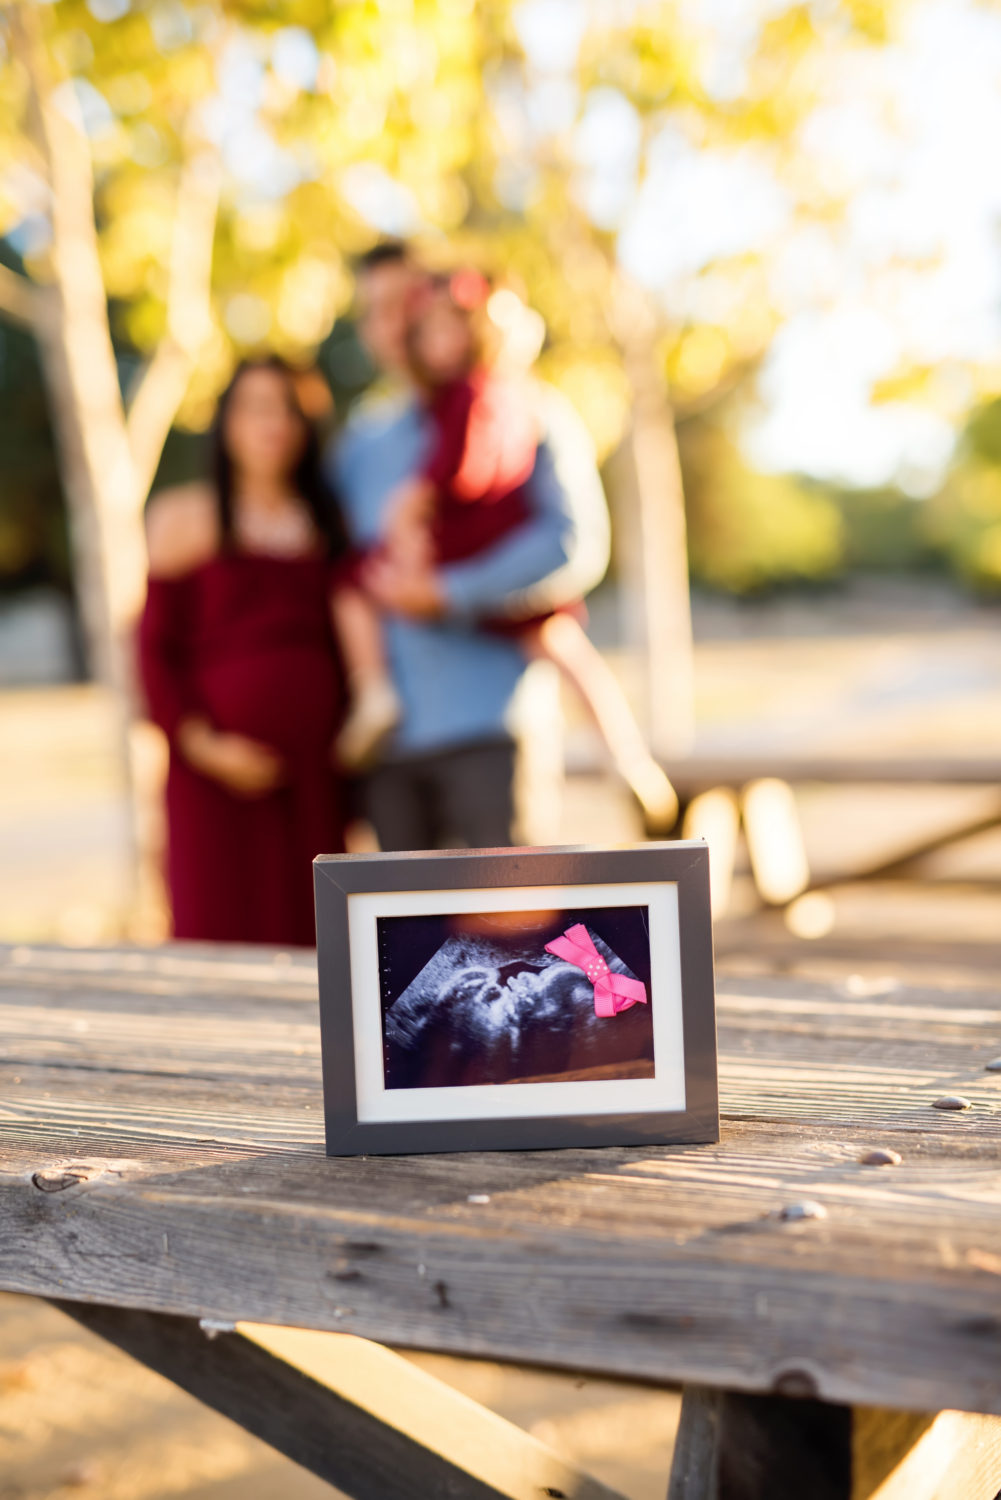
pixel 243 766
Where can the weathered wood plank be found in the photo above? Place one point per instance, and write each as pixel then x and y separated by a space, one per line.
pixel 190 1100
pixel 355 1414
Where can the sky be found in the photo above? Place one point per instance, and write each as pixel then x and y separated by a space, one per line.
pixel 915 143
pixel 912 275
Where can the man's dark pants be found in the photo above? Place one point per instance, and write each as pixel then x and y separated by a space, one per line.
pixel 452 798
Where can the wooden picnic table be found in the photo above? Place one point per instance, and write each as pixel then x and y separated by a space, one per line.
pixel 162 1179
pixel 721 794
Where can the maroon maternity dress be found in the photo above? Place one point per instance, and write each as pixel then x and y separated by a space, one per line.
pixel 246 641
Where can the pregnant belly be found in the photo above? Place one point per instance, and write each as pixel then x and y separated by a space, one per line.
pixel 287 697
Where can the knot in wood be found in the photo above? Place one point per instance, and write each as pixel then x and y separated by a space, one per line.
pixel 798 1384
pixel 440 1289
pixel 57 1179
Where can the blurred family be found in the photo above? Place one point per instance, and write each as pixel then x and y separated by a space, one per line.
pixel 372 609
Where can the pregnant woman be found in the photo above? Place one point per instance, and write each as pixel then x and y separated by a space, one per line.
pixel 240 669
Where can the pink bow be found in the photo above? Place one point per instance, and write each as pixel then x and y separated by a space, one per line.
pixel 612 992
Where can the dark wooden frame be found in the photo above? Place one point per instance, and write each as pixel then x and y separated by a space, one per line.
pixel 685 865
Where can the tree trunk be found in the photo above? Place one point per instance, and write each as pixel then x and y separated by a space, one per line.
pixel 95 458
pixel 656 559
pixel 96 470
pixel 108 546
pixel 107 457
pixel 71 323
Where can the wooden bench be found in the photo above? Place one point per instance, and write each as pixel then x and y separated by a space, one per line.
pixel 162 1179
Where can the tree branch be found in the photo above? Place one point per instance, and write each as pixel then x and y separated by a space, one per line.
pixel 160 388
pixel 29 47
pixel 59 138
pixel 19 297
pixel 158 393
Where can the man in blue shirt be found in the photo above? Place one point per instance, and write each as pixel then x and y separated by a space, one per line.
pixel 446 776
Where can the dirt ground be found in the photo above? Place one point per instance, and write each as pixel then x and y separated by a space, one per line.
pixel 893 673
pixel 77 1418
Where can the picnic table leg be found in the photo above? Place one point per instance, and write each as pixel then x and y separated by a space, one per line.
pixel 774 837
pixel 715 817
pixel 775 841
pixel 734 1446
pixel 352 1412
pixel 695 1464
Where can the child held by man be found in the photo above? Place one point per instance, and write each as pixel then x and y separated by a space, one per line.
pixel 469 494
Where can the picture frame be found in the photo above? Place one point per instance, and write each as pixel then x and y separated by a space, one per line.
pixel 516 999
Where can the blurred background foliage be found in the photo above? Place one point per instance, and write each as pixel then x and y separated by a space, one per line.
pixel 33 542
pixel 749 531
pixel 524 136
pixel 962 523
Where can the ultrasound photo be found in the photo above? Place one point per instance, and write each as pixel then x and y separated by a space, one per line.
pixel 516 997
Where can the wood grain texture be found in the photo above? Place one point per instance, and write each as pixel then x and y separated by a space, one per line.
pixel 161 1148
pixel 355 1414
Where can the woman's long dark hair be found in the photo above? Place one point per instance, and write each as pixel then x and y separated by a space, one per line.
pixel 307 478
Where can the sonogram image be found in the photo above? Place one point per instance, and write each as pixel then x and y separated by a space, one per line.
pixel 473 999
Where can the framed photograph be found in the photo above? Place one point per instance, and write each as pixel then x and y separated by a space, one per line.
pixel 504 999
